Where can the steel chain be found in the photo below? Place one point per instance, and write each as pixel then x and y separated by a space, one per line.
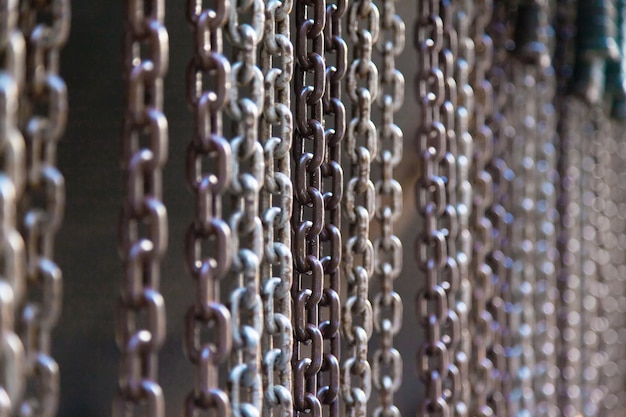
pixel 431 246
pixel 464 144
pixel 140 325
pixel 361 144
pixel 309 223
pixel 245 106
pixel 12 179
pixel 43 115
pixel 481 369
pixel 276 206
pixel 387 306
pixel 209 175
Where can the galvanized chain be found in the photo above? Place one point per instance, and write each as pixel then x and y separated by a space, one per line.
pixel 386 362
pixel 276 205
pixel 499 258
pixel 140 325
pixel 361 144
pixel 43 111
pixel 209 175
pixel 431 251
pixel 309 154
pixel 12 178
pixel 481 367
pixel 464 144
pixel 246 22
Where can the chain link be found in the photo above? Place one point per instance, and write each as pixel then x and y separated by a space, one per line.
pixel 309 153
pixel 140 327
pixel 208 241
pixel 12 177
pixel 43 114
pixel 387 304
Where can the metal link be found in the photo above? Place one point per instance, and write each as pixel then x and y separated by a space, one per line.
pixel 12 177
pixel 208 245
pixel 43 114
pixel 387 306
pixel 276 205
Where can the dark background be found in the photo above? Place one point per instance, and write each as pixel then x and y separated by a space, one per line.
pixel 86 250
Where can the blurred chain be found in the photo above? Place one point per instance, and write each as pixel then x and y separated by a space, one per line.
pixel 276 206
pixel 387 304
pixel 12 178
pixel 309 153
pixel 360 205
pixel 465 103
pixel 431 247
pixel 245 30
pixel 140 325
pixel 43 114
pixel 209 175
pixel 499 259
pixel 481 321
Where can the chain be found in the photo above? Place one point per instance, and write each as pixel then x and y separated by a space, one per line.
pixel 387 304
pixel 462 304
pixel 431 251
pixel 276 204
pixel 209 174
pixel 309 152
pixel 45 25
pixel 244 109
pixel 480 319
pixel 360 205
pixel 140 327
pixel 12 177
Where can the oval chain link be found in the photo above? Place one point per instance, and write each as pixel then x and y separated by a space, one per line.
pixel 140 324
pixel 43 111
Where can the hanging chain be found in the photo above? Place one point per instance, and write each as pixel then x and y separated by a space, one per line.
pixel 140 328
pixel 309 149
pixel 45 25
pixel 244 109
pixel 431 251
pixel 462 303
pixel 12 177
pixel 360 205
pixel 276 204
pixel 481 368
pixel 209 173
pixel 387 304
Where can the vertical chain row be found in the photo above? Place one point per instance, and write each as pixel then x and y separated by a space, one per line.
pixel 209 174
pixel 140 325
pixel 465 102
pixel 276 206
pixel 43 107
pixel 546 294
pixel 482 288
pixel 431 248
pixel 245 29
pixel 387 304
pixel 309 150
pixel 361 144
pixel 12 180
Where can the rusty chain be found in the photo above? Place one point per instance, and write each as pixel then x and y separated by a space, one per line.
pixel 386 362
pixel 209 174
pixel 140 325
pixel 12 179
pixel 43 115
